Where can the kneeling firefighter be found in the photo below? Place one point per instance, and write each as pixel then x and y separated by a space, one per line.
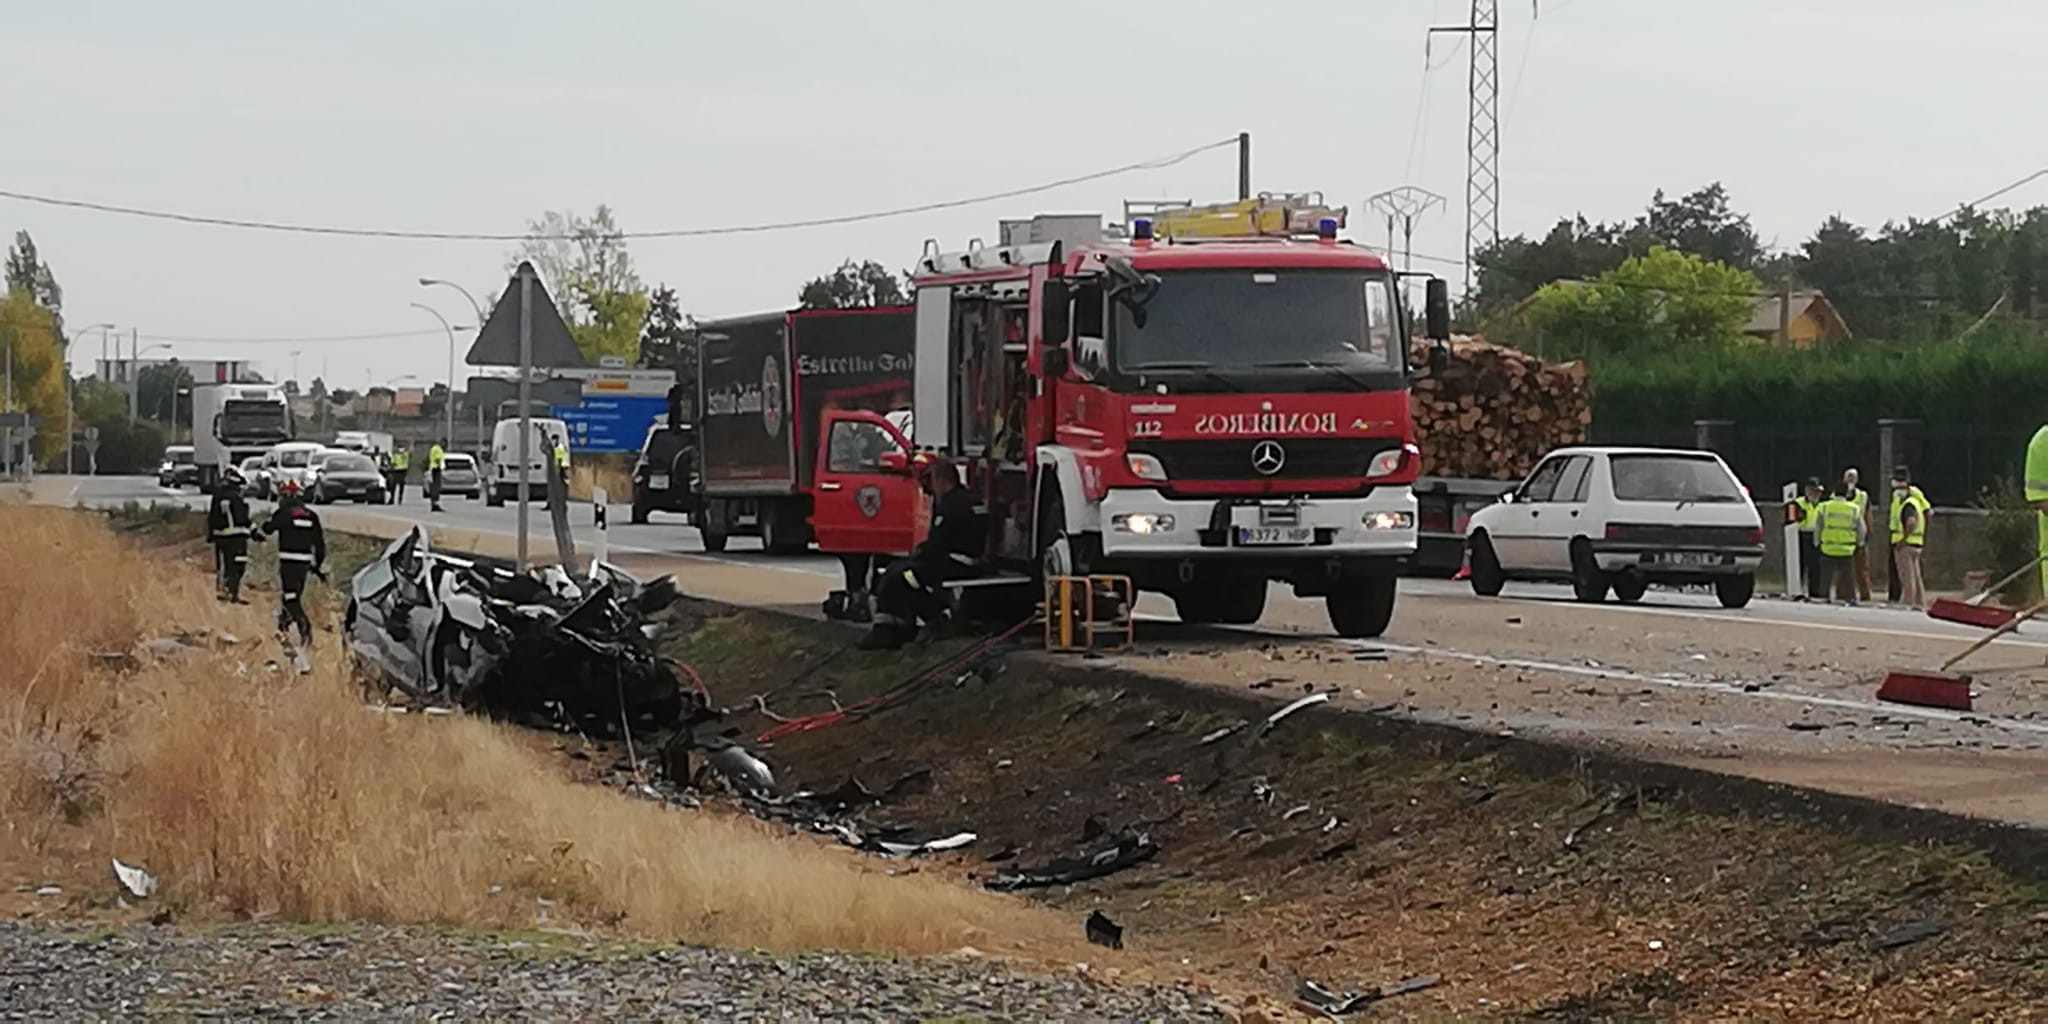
pixel 228 527
pixel 913 588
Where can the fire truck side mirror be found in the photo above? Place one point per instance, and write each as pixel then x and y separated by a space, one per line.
pixel 893 462
pixel 1437 310
pixel 1057 312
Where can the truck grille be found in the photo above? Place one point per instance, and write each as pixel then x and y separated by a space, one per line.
pixel 1306 457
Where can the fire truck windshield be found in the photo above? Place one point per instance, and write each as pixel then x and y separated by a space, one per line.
pixel 1333 329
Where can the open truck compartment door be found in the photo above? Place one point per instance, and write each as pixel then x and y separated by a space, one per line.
pixel 867 498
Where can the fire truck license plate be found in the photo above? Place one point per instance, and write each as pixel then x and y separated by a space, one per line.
pixel 1262 536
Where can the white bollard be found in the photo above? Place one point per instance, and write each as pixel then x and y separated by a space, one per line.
pixel 1795 581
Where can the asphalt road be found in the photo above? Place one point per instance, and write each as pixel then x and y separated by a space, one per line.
pixel 670 535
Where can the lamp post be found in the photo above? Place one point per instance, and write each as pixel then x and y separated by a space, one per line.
pixel 474 307
pixel 449 402
pixel 70 445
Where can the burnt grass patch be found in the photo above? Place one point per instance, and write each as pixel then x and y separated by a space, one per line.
pixel 1535 879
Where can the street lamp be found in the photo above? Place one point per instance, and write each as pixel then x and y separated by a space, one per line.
pixel 449 402
pixel 70 445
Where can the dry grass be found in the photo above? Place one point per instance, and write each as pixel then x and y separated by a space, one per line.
pixel 252 794
pixel 614 473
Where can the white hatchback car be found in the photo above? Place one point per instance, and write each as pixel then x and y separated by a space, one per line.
pixel 1621 519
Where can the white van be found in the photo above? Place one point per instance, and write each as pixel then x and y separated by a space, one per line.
pixel 501 484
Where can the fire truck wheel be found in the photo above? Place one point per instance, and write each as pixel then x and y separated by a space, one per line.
pixel 714 540
pixel 1362 608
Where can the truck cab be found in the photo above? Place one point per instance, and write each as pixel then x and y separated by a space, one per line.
pixel 1203 416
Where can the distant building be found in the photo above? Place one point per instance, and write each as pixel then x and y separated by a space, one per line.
pixel 407 401
pixel 1814 319
pixel 215 371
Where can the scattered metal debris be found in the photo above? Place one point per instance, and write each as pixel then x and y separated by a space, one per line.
pixel 1908 934
pixel 1314 998
pixel 139 883
pixel 1312 699
pixel 1128 850
pixel 1102 931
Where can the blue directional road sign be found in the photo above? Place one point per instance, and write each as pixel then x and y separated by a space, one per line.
pixel 611 423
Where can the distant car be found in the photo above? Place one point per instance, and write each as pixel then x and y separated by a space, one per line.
pixel 252 475
pixel 459 476
pixel 179 468
pixel 1621 519
pixel 346 476
pixel 289 461
pixel 662 476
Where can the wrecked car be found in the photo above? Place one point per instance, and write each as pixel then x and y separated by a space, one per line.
pixel 541 648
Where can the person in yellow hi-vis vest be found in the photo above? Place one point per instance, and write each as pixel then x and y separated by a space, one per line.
pixel 2037 494
pixel 1839 534
pixel 437 460
pixel 1909 539
pixel 1861 563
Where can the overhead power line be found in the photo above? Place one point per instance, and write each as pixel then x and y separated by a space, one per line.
pixel 703 232
pixel 1981 200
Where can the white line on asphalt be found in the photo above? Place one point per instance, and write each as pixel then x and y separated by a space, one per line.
pixel 1729 689
pixel 1759 620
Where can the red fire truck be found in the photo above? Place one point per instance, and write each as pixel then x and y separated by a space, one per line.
pixel 1202 415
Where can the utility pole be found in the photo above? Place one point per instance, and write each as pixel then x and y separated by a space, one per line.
pixel 1244 165
pixel 1482 131
pixel 1404 204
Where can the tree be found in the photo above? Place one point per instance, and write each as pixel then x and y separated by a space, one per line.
pixel 1575 249
pixel 26 272
pixel 587 269
pixel 668 341
pixel 156 393
pixel 28 336
pixel 1702 224
pixel 1656 302
pixel 854 286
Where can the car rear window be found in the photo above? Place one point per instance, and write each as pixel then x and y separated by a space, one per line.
pixel 182 456
pixel 457 461
pixel 663 445
pixel 292 458
pixel 1673 478
pixel 350 463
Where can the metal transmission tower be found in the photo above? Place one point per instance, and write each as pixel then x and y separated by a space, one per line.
pixel 1482 131
pixel 1404 204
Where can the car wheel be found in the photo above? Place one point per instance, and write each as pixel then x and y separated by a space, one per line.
pixel 1589 584
pixel 1735 591
pixel 1487 575
pixel 640 513
pixel 1362 609
pixel 1630 588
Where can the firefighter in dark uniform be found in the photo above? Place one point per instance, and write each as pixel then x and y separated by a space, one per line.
pixel 228 526
pixel 301 552
pixel 913 588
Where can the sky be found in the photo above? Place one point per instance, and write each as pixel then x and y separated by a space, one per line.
pixel 467 116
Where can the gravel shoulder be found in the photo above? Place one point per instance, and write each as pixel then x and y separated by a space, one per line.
pixel 364 973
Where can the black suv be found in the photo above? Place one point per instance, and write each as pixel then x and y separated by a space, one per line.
pixel 663 478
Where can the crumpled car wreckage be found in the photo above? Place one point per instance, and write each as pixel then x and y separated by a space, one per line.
pixel 540 648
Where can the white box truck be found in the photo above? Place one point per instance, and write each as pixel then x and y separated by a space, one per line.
pixel 234 421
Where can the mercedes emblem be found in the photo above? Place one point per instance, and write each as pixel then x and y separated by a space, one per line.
pixel 1268 457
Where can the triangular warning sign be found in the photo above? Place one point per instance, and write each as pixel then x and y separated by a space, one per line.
pixel 498 343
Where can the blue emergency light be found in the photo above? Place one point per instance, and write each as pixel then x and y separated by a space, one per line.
pixel 1141 229
pixel 1326 229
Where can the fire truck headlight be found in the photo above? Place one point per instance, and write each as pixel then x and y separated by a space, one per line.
pixel 1390 520
pixel 1390 461
pixel 1141 523
pixel 1146 467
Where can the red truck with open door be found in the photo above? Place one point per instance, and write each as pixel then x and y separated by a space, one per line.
pixel 1203 416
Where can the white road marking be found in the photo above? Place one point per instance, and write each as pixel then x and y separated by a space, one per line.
pixel 1728 689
